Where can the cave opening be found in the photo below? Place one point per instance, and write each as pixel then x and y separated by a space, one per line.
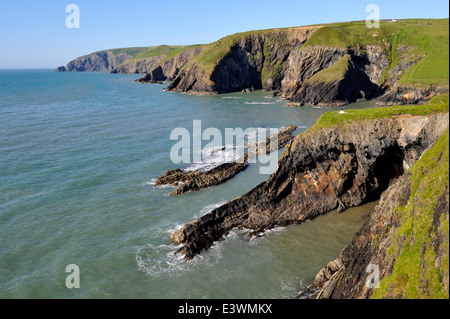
pixel 387 168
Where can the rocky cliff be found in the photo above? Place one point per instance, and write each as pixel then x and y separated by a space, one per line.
pixel 405 240
pixel 99 61
pixel 327 167
pixel 329 65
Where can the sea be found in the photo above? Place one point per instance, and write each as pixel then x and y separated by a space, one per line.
pixel 79 157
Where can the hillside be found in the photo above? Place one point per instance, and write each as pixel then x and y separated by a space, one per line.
pixel 406 61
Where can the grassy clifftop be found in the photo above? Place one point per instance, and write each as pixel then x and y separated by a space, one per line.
pixel 429 37
pixel 438 104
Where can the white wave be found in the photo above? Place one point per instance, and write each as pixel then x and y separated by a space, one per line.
pixel 209 208
pixel 152 182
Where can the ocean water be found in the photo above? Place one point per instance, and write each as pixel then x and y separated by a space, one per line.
pixel 79 154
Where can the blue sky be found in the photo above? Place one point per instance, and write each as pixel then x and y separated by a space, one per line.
pixel 33 33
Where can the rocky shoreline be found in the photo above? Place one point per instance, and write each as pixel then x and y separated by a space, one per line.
pixel 322 170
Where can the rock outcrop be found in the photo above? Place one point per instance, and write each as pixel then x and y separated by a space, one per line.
pixel 322 170
pixel 103 61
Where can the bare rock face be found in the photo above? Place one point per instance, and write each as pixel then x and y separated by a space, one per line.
pixel 96 62
pixel 322 170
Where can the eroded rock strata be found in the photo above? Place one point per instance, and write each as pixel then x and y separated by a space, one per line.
pixel 324 169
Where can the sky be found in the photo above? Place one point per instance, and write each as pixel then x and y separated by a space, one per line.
pixel 33 33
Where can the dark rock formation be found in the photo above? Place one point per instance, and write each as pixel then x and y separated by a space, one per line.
pixel 98 61
pixel 254 61
pixel 273 63
pixel 322 170
pixel 197 180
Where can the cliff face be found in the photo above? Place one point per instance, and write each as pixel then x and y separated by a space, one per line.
pixel 99 61
pixel 322 170
pixel 301 64
pixel 277 61
pixel 244 61
pixel 140 66
pixel 406 238
pixel 167 69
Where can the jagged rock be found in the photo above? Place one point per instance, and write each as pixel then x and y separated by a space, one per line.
pixel 322 170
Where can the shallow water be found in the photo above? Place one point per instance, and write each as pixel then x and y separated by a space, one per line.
pixel 79 156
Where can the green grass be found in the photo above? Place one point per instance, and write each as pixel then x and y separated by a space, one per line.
pixel 334 73
pixel 415 266
pixel 438 104
pixel 429 37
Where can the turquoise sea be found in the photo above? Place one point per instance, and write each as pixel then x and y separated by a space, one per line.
pixel 79 154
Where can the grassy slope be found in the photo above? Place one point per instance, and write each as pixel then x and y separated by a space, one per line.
pixel 334 73
pixel 167 50
pixel 428 36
